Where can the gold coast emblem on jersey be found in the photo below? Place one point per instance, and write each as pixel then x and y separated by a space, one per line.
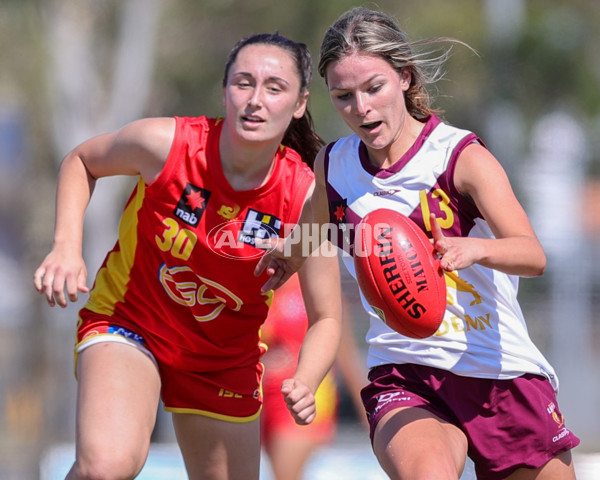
pixel 204 297
pixel 229 213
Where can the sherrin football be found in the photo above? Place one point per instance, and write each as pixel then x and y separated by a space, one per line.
pixel 399 273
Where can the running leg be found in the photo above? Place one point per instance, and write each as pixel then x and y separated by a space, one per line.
pixel 218 450
pixel 117 400
pixel 412 443
pixel 558 468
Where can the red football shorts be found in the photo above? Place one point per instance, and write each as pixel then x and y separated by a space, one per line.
pixel 509 424
pixel 232 395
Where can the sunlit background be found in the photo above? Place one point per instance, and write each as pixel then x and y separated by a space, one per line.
pixel 73 69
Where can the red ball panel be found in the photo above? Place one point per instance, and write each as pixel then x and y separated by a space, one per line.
pixel 399 273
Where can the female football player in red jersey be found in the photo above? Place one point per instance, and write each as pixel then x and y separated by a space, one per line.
pixel 175 310
pixel 478 386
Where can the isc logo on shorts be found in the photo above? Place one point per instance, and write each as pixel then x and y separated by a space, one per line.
pixel 229 394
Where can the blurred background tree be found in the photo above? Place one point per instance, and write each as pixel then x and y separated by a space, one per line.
pixel 73 69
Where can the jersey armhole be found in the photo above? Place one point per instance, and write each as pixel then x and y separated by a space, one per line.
pixel 326 162
pixel 174 153
pixel 467 140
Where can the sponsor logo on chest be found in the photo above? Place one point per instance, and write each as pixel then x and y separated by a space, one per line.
pixel 192 204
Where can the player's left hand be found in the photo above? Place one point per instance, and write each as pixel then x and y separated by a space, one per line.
pixel 279 266
pixel 454 252
pixel 300 400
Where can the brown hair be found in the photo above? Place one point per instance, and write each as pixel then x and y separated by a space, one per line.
pixel 361 30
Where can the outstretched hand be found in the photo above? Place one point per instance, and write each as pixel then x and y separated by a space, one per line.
pixel 275 262
pixel 57 273
pixel 300 401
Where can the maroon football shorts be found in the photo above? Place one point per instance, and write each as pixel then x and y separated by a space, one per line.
pixel 509 424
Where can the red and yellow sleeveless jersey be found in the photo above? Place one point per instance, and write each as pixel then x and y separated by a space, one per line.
pixel 181 273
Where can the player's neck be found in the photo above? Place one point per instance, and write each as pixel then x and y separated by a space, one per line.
pixel 246 167
pixel 403 142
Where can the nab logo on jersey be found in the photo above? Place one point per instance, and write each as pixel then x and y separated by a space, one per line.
pixel 192 204
pixel 259 225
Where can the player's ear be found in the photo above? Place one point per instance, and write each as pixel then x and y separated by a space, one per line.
pixel 405 79
pixel 301 105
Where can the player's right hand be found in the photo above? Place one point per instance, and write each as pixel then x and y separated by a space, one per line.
pixel 60 272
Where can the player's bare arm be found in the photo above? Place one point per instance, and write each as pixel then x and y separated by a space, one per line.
pixel 516 249
pixel 320 281
pixel 139 148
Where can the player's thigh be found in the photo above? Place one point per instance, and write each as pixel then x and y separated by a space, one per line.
pixel 412 443
pixel 558 468
pixel 117 399
pixel 216 449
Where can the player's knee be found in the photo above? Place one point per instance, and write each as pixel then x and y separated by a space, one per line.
pixel 105 465
pixel 424 473
pixel 418 466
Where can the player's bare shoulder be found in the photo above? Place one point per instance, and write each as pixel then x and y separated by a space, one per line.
pixel 150 139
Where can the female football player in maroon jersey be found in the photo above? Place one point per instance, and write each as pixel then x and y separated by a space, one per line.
pixel 478 386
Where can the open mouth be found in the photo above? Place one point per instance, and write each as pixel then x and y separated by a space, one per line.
pixel 252 119
pixel 370 126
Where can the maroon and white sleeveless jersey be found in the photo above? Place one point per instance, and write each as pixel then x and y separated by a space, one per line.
pixel 483 333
